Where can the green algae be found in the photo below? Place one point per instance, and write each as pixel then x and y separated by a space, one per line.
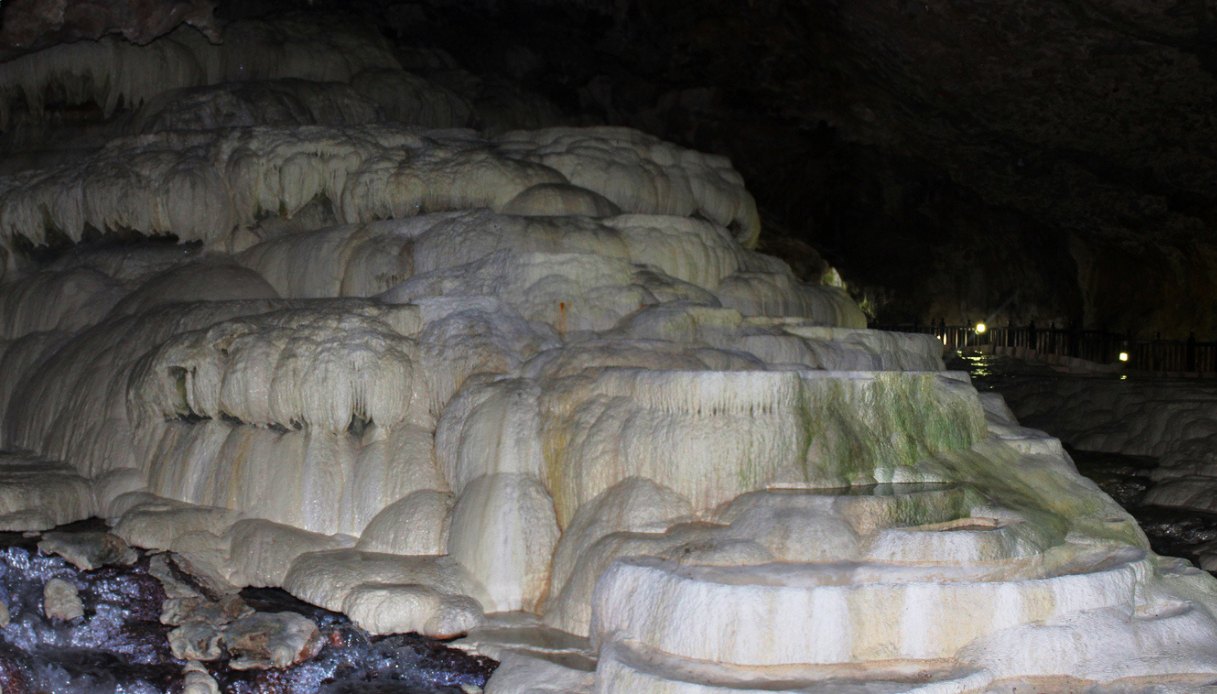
pixel 861 427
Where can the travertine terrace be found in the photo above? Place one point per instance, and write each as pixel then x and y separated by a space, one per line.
pixel 527 385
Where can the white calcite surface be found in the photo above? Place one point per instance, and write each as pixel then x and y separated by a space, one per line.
pixel 38 494
pixel 531 387
pixel 1161 417
pixel 1171 419
pixel 206 184
pixel 113 73
pixel 61 600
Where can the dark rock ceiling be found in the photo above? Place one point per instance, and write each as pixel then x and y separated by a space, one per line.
pixel 955 159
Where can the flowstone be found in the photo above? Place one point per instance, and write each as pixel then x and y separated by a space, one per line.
pixel 535 389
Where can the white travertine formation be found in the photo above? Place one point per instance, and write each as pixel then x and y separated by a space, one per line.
pixel 280 102
pixel 636 505
pixel 627 666
pixel 1172 420
pixel 38 494
pixel 111 72
pixel 670 180
pixel 261 551
pixel 207 280
pixel 287 368
pixel 504 531
pixel 841 613
pixel 412 99
pixel 436 379
pixel 203 185
pixel 387 593
pixel 46 301
pixel 518 673
pixel 416 524
pixel 19 357
pixel 157 523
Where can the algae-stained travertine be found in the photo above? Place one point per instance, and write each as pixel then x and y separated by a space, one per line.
pixel 535 388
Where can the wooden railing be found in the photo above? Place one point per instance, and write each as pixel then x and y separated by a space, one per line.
pixel 1157 354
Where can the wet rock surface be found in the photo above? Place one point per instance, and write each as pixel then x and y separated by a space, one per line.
pixel 262 641
pixel 1176 532
pixel 145 627
pixel 1125 478
pixel 118 645
pixel 1171 531
pixel 178 611
pixel 196 641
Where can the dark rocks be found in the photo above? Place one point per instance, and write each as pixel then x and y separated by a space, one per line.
pixel 119 643
pixel 207 630
pixel 258 640
pixel 271 640
pixel 196 641
pixel 210 628
pixel 88 550
pixel 177 611
pixel 33 24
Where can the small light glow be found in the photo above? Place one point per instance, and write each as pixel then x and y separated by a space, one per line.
pixel 981 328
pixel 1123 356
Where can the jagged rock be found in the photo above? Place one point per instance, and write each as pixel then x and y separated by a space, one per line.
pixel 61 600
pixel 198 680
pixel 32 24
pixel 88 551
pixel 161 569
pixel 271 640
pixel 177 611
pixel 196 641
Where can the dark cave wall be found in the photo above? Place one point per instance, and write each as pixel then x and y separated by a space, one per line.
pixel 1052 160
